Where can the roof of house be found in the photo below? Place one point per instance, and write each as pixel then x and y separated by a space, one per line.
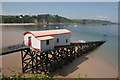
pixel 45 38
pixel 47 32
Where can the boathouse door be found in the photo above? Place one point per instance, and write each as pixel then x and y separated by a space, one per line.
pixel 29 41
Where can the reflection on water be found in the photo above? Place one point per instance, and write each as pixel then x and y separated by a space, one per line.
pixel 108 52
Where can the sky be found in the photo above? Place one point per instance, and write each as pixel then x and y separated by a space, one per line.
pixel 72 10
pixel 60 0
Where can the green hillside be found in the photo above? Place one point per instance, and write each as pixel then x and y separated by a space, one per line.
pixel 48 19
pixel 39 19
pixel 91 21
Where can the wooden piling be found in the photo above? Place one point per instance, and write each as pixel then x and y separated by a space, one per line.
pixel 51 60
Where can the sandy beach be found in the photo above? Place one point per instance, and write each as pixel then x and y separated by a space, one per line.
pixel 87 66
pixel 9 24
pixel 17 24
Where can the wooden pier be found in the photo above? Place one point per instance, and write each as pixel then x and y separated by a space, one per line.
pixel 13 48
pixel 48 61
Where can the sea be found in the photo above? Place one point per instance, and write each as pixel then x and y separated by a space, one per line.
pixel 108 52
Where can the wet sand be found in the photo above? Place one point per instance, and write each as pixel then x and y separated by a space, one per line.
pixel 11 64
pixel 86 66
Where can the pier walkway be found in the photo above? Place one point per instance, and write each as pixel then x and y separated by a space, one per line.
pixel 13 48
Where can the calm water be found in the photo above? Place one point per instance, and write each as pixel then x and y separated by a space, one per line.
pixel 108 52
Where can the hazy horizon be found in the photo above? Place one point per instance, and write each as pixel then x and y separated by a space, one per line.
pixel 71 10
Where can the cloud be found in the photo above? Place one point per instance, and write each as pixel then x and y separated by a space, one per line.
pixel 98 17
pixel 101 17
pixel 69 16
pixel 93 17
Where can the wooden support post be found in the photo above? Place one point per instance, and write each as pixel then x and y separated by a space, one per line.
pixel 32 59
pixel 22 60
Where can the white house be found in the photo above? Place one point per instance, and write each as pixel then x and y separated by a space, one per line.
pixel 48 39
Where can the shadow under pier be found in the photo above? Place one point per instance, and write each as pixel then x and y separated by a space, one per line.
pixel 52 60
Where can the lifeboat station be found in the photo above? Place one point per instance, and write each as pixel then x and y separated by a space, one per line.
pixel 47 40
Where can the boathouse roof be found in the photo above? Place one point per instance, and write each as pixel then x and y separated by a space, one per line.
pixel 45 38
pixel 47 33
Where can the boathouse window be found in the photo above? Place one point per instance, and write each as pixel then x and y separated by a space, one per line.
pixel 47 42
pixel 57 40
pixel 66 40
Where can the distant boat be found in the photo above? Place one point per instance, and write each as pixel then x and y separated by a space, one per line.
pixel 75 25
pixel 104 24
pixel 57 27
pixel 104 35
pixel 82 41
pixel 44 26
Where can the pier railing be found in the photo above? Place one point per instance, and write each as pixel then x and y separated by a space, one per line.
pixel 12 48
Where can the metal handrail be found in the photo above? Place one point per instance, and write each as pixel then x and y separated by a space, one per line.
pixel 8 48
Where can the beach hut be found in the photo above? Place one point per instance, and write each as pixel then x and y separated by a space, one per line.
pixel 47 39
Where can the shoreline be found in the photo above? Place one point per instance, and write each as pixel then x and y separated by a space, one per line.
pixel 4 24
pixel 7 24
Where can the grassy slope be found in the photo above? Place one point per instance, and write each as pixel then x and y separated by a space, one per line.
pixel 90 21
pixel 48 19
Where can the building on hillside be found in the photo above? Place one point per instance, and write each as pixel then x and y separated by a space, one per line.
pixel 47 39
